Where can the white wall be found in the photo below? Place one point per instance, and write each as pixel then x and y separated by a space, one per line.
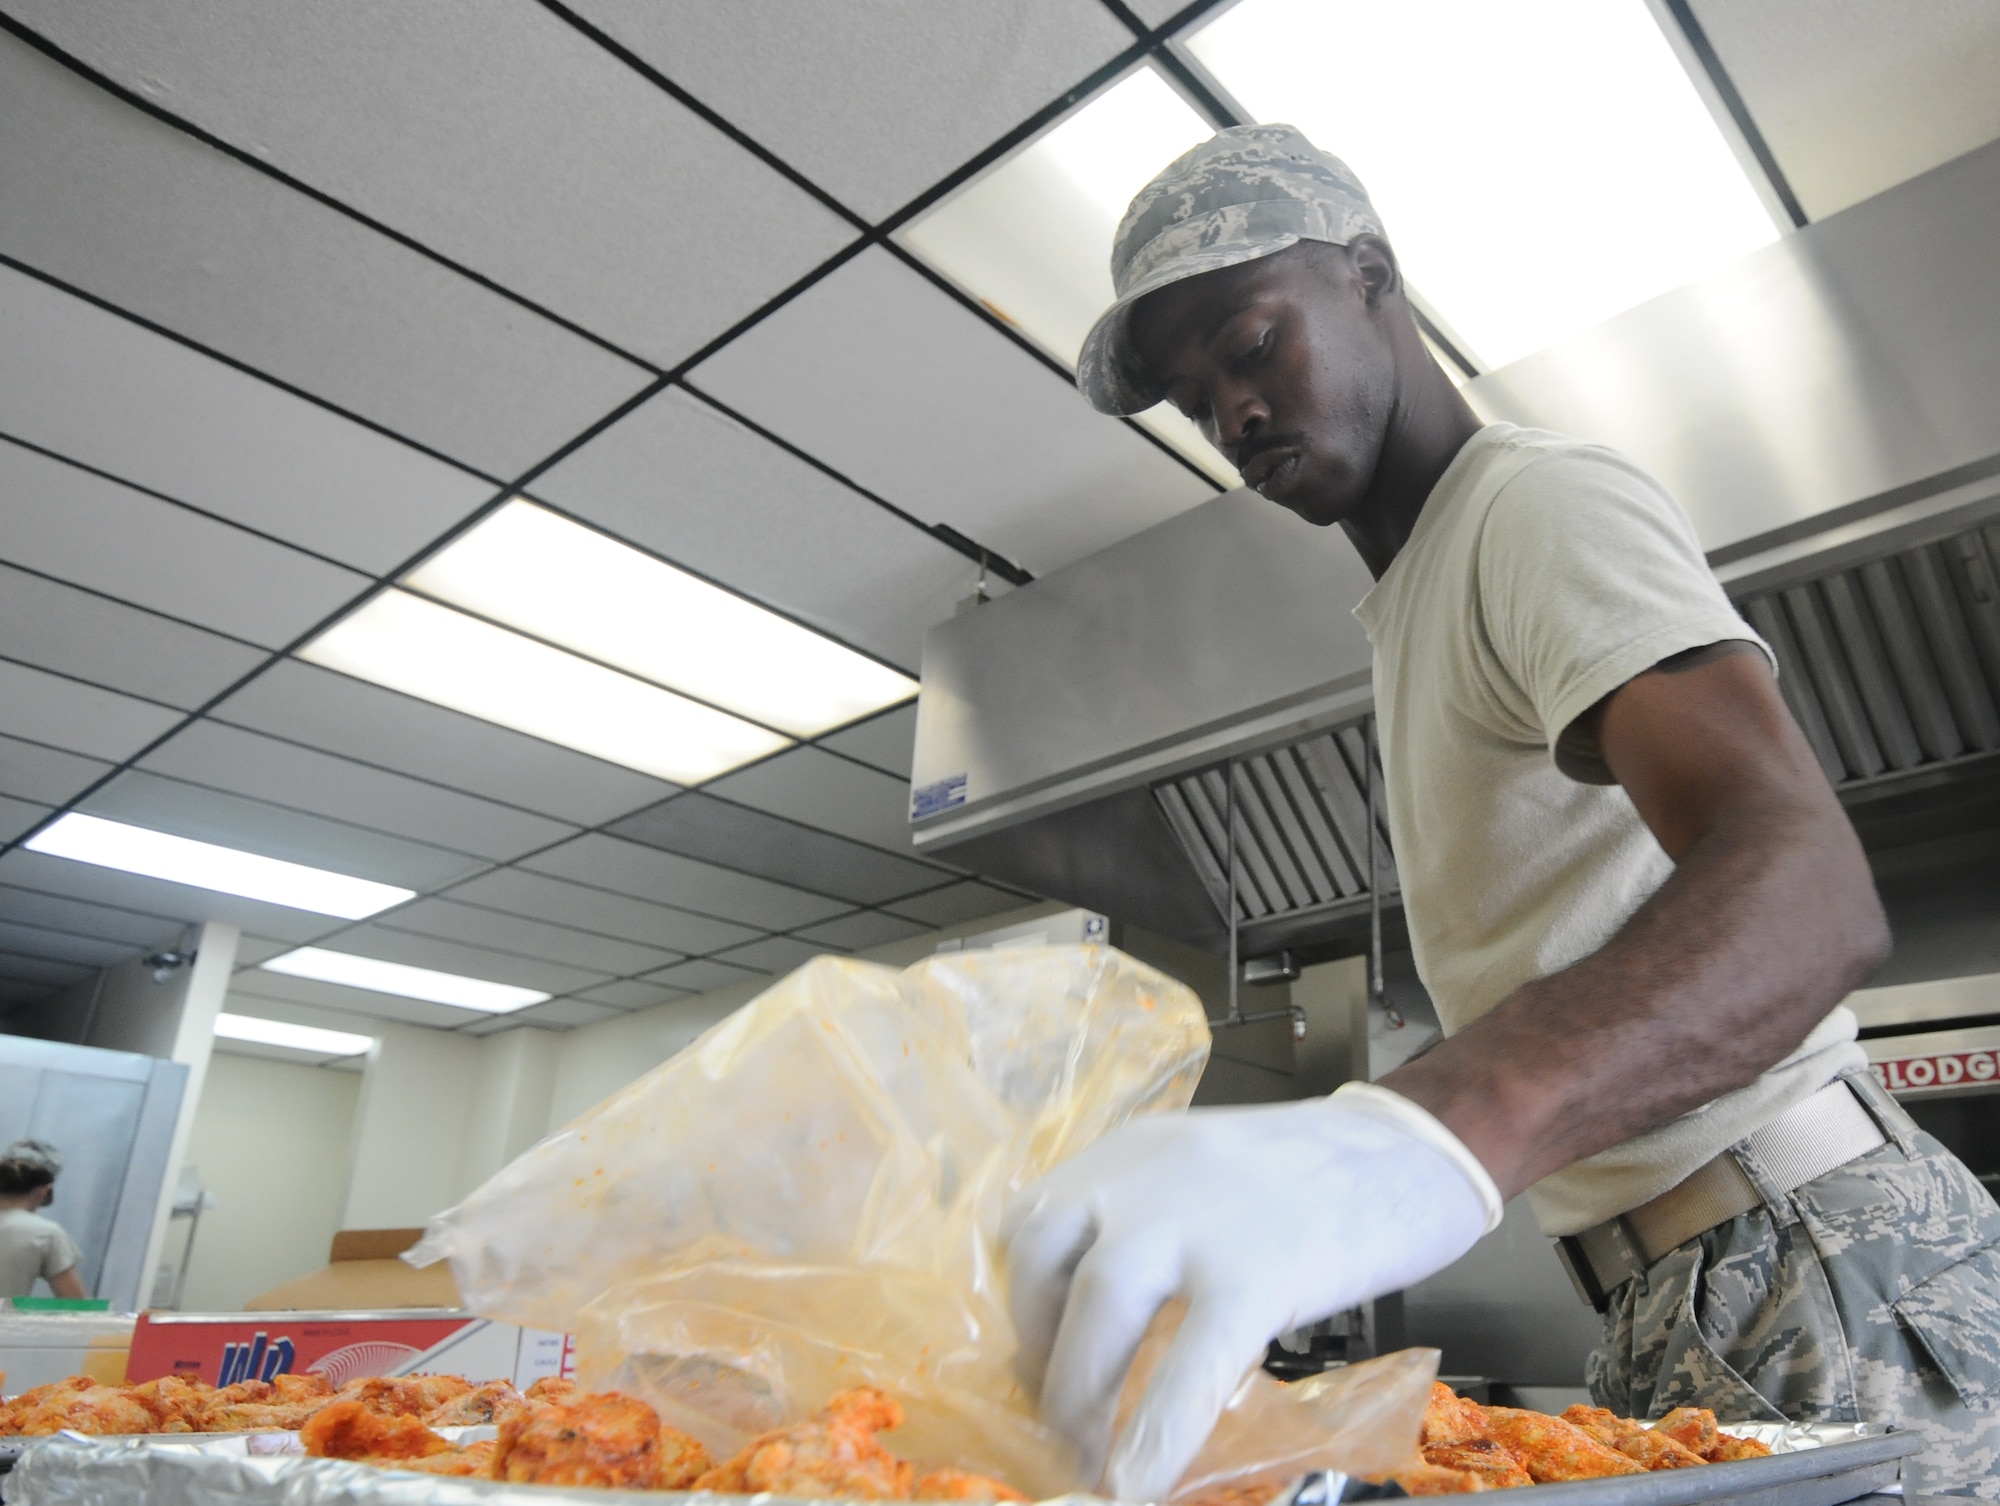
pixel 270 1140
pixel 410 1127
pixel 511 1086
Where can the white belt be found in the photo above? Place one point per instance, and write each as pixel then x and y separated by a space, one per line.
pixel 1804 1143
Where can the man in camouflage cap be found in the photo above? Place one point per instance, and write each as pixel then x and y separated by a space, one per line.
pixel 1630 890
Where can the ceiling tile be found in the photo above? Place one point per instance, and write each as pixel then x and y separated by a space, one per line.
pixel 559 1014
pixel 521 893
pixel 719 831
pixel 1156 12
pixel 629 993
pixel 62 946
pixel 702 976
pixel 182 902
pixel 323 709
pixel 891 382
pixel 373 939
pixel 888 741
pixel 611 863
pixel 118 204
pixel 14 991
pixel 69 714
pixel 108 643
pixel 529 938
pixel 873 100
pixel 111 538
pixel 87 384
pixel 53 912
pixel 29 771
pixel 958 903
pixel 680 478
pixel 822 789
pixel 864 928
pixel 267 769
pixel 231 820
pixel 494 134
pixel 332 1006
pixel 251 950
pixel 23 969
pixel 774 954
pixel 1855 96
pixel 16 816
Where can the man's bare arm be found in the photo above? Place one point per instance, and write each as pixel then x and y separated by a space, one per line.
pixel 67 1284
pixel 1767 922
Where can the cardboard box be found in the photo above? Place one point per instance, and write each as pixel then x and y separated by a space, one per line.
pixel 222 1348
pixel 362 1274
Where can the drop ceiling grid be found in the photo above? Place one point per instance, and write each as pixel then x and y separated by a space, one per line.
pixel 850 922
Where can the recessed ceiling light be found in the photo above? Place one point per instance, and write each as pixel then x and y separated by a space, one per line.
pixel 408 982
pixel 243 1027
pixel 203 865
pixel 1540 165
pixel 568 584
pixel 433 652
pixel 1031 239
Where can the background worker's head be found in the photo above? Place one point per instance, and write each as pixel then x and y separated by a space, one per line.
pixel 1258 294
pixel 28 1170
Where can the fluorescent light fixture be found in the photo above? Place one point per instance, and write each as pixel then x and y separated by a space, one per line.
pixel 408 982
pixel 533 570
pixel 203 865
pixel 1031 239
pixel 1540 165
pixel 244 1027
pixel 430 651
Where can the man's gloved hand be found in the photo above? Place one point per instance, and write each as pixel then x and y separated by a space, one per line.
pixel 1264 1219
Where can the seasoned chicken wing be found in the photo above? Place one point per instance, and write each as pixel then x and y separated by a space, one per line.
pixel 1729 1448
pixel 1495 1467
pixel 606 1439
pixel 1692 1427
pixel 1647 1446
pixel 347 1428
pixel 1421 1478
pixel 474 1461
pixel 1451 1418
pixel 493 1402
pixel 81 1408
pixel 964 1485
pixel 835 1455
pixel 1551 1449
pixel 552 1388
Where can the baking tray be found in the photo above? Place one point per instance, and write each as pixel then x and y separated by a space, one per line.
pixel 75 1471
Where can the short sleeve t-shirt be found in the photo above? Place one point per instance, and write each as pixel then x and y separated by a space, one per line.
pixel 1544 573
pixel 32 1247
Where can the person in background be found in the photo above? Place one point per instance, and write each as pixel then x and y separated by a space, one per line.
pixel 32 1246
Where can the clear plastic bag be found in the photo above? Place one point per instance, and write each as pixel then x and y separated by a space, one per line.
pixel 805 1198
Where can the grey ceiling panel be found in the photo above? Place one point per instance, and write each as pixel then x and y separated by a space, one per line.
pixel 532 894
pixel 529 938
pixel 684 480
pixel 873 100
pixel 231 820
pixel 958 904
pixel 864 928
pixel 251 950
pixel 107 886
pixel 629 993
pixel 93 386
pixel 558 1014
pixel 53 912
pixel 251 764
pixel 335 1007
pixel 774 954
pixel 494 134
pixel 78 526
pixel 49 776
pixel 108 643
pixel 825 790
pixel 62 946
pixel 116 203
pixel 16 816
pixel 703 975
pixel 13 991
pixel 1855 96
pixel 322 709
pixel 1157 12
pixel 19 968
pixel 888 741
pixel 69 714
pixel 701 826
pixel 891 382
pixel 611 863
pixel 375 940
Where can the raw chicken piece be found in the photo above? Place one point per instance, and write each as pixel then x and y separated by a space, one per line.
pixel 834 1456
pixel 964 1485
pixel 1649 1446
pixel 396 1396
pixel 88 1408
pixel 552 1388
pixel 1496 1468
pixel 1551 1449
pixel 491 1403
pixel 606 1439
pixel 348 1428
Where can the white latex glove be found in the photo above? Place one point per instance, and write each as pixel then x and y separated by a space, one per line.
pixel 1264 1219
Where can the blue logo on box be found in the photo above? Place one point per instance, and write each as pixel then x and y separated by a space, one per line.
pixel 257 1360
pixel 933 798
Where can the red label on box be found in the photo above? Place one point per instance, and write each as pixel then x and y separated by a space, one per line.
pixel 1947 1070
pixel 223 1350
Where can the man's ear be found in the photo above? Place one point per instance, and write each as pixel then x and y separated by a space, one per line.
pixel 1375 265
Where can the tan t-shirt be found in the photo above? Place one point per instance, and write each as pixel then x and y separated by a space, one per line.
pixel 1544 573
pixel 32 1246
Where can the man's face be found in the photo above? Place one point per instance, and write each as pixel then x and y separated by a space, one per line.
pixel 1286 365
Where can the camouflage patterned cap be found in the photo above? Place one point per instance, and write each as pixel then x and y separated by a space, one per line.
pixel 1243 193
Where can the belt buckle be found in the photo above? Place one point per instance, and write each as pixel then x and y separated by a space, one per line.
pixel 1576 1264
pixel 1616 1245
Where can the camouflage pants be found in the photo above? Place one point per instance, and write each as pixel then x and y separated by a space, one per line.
pixel 1870 1294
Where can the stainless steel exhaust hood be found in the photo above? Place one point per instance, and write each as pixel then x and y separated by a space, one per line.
pixel 1828 411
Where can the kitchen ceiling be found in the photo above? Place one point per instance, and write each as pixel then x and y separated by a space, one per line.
pixel 292 297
